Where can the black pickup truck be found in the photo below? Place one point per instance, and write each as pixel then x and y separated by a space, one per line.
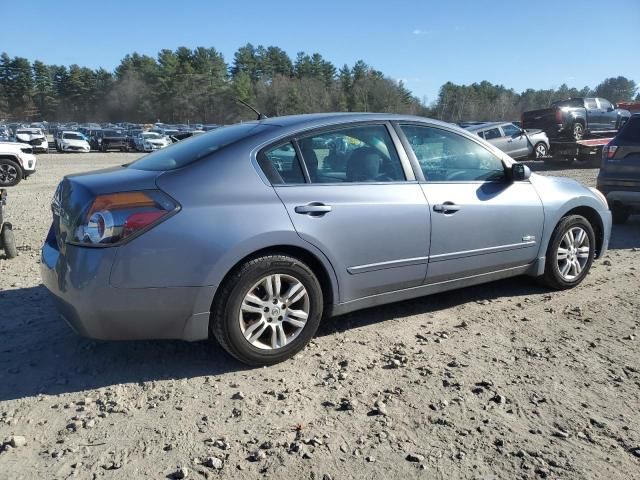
pixel 576 118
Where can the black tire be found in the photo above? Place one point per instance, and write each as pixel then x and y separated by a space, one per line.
pixel 225 324
pixel 8 241
pixel 620 214
pixel 10 172
pixel 577 131
pixel 552 277
pixel 539 146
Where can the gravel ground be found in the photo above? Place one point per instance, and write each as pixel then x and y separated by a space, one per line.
pixel 505 380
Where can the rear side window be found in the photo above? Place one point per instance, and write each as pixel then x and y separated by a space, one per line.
pixel 281 165
pixel 631 131
pixel 197 147
pixel 354 154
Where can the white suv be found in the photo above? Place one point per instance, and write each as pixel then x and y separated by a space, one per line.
pixel 17 161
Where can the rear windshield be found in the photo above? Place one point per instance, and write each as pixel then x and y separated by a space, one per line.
pixel 197 147
pixel 631 130
pixel 72 136
pixel 574 102
pixel 113 133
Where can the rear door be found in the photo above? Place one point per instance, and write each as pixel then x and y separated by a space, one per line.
pixel 357 201
pixel 594 114
pixel 480 221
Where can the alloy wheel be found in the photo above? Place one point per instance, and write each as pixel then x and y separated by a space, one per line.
pixel 573 253
pixel 274 311
pixel 541 150
pixel 8 173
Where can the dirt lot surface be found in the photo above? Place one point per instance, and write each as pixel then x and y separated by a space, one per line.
pixel 501 381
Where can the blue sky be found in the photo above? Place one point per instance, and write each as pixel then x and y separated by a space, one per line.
pixel 539 44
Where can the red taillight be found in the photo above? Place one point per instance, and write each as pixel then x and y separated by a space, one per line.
pixel 608 151
pixel 558 115
pixel 112 218
pixel 141 220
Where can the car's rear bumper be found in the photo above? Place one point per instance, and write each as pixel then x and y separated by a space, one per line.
pixel 623 191
pixel 79 282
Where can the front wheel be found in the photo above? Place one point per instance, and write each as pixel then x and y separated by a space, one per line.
pixel 578 131
pixel 267 310
pixel 540 150
pixel 10 172
pixel 570 254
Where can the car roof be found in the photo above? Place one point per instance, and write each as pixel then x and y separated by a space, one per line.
pixel 313 120
pixel 475 128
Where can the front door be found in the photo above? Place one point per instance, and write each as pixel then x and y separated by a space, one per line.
pixel 356 205
pixel 480 221
pixel 517 141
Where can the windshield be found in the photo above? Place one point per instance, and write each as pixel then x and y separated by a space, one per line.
pixel 30 131
pixel 72 136
pixel 113 133
pixel 188 151
pixel 151 135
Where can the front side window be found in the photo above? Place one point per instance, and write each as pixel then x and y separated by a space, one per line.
pixel 356 154
pixel 604 104
pixel 281 164
pixel 449 157
pixel 510 130
pixel 590 103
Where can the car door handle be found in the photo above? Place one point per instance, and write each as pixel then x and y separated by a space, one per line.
pixel 446 207
pixel 313 209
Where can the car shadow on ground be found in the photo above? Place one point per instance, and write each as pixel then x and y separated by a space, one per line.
pixel 509 288
pixel 39 353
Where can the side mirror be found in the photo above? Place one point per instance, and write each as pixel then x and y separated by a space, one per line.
pixel 520 172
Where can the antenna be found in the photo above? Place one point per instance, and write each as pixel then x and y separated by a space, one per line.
pixel 260 115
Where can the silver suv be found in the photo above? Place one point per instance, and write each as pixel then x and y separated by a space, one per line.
pixel 513 140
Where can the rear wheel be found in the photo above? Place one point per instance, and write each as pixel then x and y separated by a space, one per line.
pixel 620 214
pixel 8 241
pixel 578 131
pixel 10 172
pixel 570 253
pixel 267 310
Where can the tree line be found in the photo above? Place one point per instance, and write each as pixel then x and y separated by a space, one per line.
pixel 198 86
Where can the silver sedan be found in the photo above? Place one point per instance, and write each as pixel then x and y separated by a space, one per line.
pixel 252 233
